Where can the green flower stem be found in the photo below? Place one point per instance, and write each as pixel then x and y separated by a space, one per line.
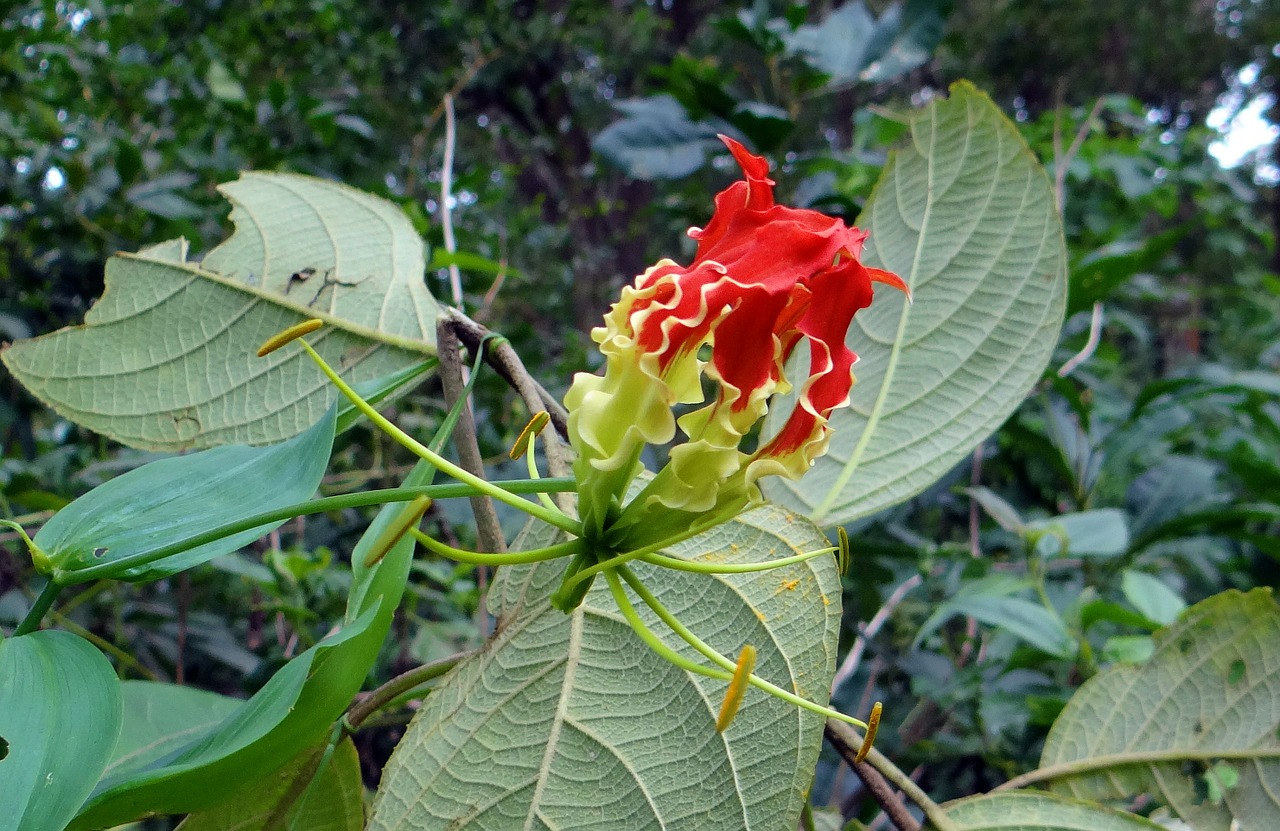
pixel 39 609
pixel 729 568
pixel 537 555
pixel 315 506
pixel 553 518
pixel 652 640
pixel 716 658
pixel 590 572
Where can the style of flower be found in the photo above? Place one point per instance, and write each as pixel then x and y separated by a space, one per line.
pixel 765 278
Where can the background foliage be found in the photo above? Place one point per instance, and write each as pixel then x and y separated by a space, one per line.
pixel 1142 481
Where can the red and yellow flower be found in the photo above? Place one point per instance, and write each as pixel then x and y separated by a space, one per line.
pixel 765 278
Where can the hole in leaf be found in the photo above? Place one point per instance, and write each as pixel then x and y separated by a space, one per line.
pixel 1236 672
pixel 98 552
pixel 4 748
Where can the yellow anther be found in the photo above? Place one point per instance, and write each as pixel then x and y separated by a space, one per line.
pixel 533 428
pixel 873 724
pixel 843 558
pixel 737 687
pixel 400 526
pixel 294 332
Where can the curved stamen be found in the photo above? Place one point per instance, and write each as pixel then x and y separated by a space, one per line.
pixel 554 518
pixel 481 558
pixel 653 641
pixel 676 564
pixel 716 658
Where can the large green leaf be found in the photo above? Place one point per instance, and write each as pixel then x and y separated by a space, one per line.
pixel 160 718
pixel 570 721
pixel 1197 726
pixel 1039 812
pixel 966 216
pixel 292 712
pixel 171 500
pixel 165 360
pixel 334 803
pixel 59 718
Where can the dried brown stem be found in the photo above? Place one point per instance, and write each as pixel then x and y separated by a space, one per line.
pixel 847 742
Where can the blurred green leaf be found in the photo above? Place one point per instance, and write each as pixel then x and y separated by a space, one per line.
pixel 1152 597
pixel 59 719
pixel 1100 533
pixel 656 139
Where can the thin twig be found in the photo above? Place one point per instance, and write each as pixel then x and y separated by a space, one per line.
pixel 446 198
pixel 847 742
pixel 1090 346
pixel 488 528
pixel 504 361
pixel 1063 160
pixel 850 664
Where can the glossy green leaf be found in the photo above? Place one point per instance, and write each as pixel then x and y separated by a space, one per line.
pixel 570 721
pixel 59 719
pixel 1039 812
pixel 1205 698
pixel 966 216
pixel 166 359
pixel 293 711
pixel 160 718
pixel 334 803
pixel 171 500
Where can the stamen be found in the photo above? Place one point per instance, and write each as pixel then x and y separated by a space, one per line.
pixel 533 428
pixel 294 332
pixel 490 558
pixel 845 557
pixel 873 724
pixel 407 519
pixel 737 687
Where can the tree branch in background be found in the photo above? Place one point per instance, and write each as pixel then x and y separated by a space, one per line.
pixel 847 743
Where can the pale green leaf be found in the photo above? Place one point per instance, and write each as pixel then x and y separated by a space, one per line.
pixel 1209 695
pixel 166 359
pixel 966 216
pixel 1151 596
pixel 334 803
pixel 1039 812
pixel 570 721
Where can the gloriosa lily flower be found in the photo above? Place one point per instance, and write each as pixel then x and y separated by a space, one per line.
pixel 765 278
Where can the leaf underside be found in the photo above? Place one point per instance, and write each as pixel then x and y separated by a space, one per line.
pixel 1205 701
pixel 165 360
pixel 966 216
pixel 1024 811
pixel 570 721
